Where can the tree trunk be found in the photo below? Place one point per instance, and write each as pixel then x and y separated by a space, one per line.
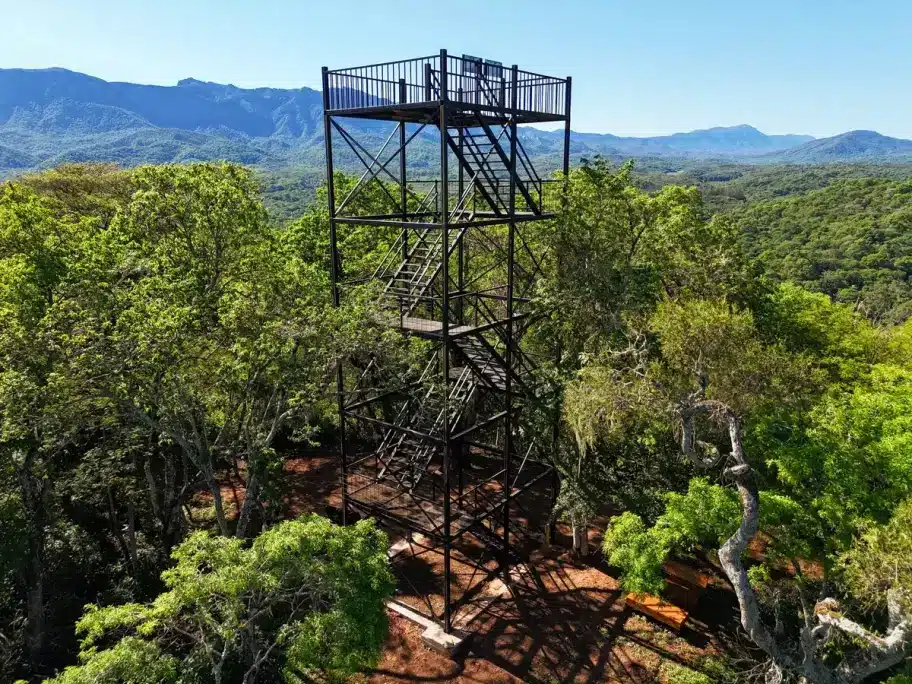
pixel 580 539
pixel 879 654
pixel 131 533
pixel 730 557
pixel 170 513
pixel 216 492
pixel 35 603
pixel 118 534
pixel 34 499
pixel 251 500
pixel 35 595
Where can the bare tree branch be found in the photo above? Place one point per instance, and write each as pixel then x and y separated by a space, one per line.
pixel 880 653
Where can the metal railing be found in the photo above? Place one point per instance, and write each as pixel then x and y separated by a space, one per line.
pixel 469 81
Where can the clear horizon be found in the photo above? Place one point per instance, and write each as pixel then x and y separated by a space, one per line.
pixel 820 69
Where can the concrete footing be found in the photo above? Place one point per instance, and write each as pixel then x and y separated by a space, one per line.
pixel 433 635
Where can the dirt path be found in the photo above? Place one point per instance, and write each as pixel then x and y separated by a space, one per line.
pixel 562 621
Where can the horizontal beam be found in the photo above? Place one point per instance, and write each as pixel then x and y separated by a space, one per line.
pixel 489 448
pixel 478 426
pixel 384 395
pixel 409 216
pixel 378 512
pixel 413 112
pixel 365 221
pixel 492 509
pixel 393 426
pixel 486 326
pixel 478 223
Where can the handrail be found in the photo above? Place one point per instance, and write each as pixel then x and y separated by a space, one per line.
pixel 395 250
pixel 380 85
pixel 429 281
pixel 431 58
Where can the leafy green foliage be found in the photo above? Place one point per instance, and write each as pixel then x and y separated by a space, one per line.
pixel 701 518
pixel 851 461
pixel 850 240
pixel 678 674
pixel 619 250
pixel 899 679
pixel 880 562
pixel 306 598
pixel 718 345
pixel 131 660
pixel 629 546
pixel 705 515
pixel 611 261
pixel 158 330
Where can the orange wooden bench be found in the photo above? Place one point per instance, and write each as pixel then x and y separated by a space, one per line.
pixel 685 575
pixel 659 610
pixel 684 584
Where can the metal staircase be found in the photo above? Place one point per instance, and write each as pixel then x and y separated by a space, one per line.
pixel 488 365
pixel 406 457
pixel 485 158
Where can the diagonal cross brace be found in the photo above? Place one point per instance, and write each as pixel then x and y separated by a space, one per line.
pixel 355 146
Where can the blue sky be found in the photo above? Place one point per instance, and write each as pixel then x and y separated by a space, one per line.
pixel 640 67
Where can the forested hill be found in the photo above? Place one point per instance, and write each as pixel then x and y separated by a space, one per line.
pixel 851 240
pixel 851 146
pixel 50 116
pixel 57 100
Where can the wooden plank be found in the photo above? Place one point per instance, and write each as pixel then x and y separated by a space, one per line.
pixel 659 610
pixel 413 324
pixel 681 594
pixel 686 575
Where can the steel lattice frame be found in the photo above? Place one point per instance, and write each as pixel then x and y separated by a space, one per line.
pixel 447 452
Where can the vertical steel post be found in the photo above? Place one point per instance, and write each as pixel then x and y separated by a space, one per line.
pixel 555 479
pixel 508 355
pixel 334 275
pixel 460 249
pixel 445 330
pixel 460 452
pixel 403 181
pixel 567 131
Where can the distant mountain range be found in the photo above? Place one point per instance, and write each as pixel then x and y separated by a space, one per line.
pixel 50 116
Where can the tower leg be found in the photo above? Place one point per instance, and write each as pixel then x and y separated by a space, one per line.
pixel 334 275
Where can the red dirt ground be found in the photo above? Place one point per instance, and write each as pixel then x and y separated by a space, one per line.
pixel 562 620
pixel 406 659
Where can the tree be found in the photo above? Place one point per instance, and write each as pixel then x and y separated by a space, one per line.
pixel 615 251
pixel 713 375
pixel 850 240
pixel 40 412
pixel 214 333
pixel 878 567
pixel 613 254
pixel 159 334
pixel 306 599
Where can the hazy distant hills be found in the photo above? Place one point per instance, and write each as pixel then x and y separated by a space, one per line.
pixel 851 146
pixel 48 116
pixel 733 141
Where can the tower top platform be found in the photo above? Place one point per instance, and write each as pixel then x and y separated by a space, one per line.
pixel 413 90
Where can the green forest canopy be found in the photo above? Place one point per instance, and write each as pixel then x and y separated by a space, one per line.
pixel 159 329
